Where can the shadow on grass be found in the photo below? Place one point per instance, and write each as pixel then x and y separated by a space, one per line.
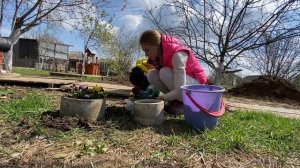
pixel 123 120
pixel 176 126
pixel 120 118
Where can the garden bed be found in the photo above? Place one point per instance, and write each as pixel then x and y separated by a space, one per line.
pixel 34 135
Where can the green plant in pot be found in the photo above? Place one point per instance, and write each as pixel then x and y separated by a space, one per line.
pixel 85 92
pixel 85 102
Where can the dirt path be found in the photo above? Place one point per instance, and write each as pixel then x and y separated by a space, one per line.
pixel 285 112
pixel 290 110
pixel 283 109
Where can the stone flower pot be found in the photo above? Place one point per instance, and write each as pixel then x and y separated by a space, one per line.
pixel 89 109
pixel 149 112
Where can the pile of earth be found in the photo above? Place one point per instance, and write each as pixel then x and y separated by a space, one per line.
pixel 267 87
pixel 52 119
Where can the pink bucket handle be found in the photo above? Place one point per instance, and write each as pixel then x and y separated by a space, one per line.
pixel 214 114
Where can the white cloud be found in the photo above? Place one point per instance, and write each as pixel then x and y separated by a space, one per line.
pixel 154 2
pixel 131 18
pixel 131 22
pixel 143 4
pixel 73 17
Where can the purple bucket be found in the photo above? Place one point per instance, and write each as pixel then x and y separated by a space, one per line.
pixel 203 105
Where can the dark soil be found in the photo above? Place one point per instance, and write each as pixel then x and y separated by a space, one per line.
pixel 53 120
pixel 267 87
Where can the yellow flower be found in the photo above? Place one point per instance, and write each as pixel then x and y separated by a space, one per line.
pixel 98 88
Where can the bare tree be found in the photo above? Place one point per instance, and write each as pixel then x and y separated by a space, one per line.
pixel 220 32
pixel 25 15
pixel 97 30
pixel 121 46
pixel 123 49
pixel 281 59
pixel 96 33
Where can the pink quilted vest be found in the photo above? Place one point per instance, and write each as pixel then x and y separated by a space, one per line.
pixel 171 45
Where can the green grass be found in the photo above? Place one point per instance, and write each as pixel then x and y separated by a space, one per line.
pixel 227 87
pixel 30 71
pixel 90 79
pixel 31 106
pixel 248 132
pixel 252 131
pixel 5 92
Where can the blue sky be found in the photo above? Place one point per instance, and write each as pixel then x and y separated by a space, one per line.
pixel 131 18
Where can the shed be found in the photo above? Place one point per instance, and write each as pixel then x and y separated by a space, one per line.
pixel 49 55
pixel 74 60
pixel 25 53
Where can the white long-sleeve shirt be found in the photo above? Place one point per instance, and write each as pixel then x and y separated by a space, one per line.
pixel 179 61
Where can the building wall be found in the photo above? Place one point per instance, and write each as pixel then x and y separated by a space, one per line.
pixel 30 52
pixel 53 51
pixel 73 66
pixel 24 62
pixel 26 48
pixel 25 53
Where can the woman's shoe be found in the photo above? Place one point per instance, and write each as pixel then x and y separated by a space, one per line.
pixel 174 107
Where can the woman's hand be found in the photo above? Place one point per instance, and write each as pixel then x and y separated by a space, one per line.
pixel 160 98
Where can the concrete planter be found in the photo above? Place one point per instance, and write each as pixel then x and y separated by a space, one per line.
pixel 90 109
pixel 149 112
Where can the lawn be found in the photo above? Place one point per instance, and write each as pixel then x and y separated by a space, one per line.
pixel 30 71
pixel 242 138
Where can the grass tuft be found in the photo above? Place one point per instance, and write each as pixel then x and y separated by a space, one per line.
pixel 30 71
pixel 31 105
pixel 252 132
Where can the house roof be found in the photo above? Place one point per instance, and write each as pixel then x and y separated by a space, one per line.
pixel 75 55
pixel 45 41
pixel 53 42
pixel 234 75
pixel 251 77
pixel 90 52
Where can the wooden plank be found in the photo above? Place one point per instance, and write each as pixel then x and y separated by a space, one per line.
pixel 64 84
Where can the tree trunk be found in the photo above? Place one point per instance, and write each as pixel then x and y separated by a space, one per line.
pixel 218 76
pixel 83 63
pixel 8 56
pixel 8 60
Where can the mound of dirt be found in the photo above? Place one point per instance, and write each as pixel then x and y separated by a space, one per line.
pixel 53 120
pixel 267 87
